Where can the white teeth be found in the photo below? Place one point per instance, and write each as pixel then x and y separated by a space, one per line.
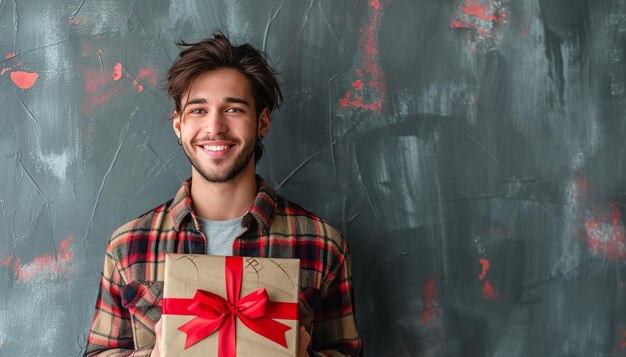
pixel 215 148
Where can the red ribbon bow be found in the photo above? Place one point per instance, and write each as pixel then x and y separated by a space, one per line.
pixel 213 313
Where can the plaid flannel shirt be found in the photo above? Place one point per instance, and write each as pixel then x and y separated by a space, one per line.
pixel 131 287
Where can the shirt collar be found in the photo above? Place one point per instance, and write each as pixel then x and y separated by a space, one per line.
pixel 262 210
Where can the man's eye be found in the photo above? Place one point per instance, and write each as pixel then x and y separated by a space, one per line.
pixel 233 110
pixel 198 111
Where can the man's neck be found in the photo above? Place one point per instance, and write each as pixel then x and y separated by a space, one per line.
pixel 223 201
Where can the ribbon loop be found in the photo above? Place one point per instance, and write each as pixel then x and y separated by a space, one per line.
pixel 254 305
pixel 208 305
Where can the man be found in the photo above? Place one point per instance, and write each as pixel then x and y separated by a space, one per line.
pixel 223 97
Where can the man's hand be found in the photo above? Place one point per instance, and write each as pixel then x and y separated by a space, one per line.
pixel 303 342
pixel 155 351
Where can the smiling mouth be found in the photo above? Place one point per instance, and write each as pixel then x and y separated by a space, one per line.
pixel 217 147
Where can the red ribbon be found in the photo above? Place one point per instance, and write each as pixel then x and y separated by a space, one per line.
pixel 213 313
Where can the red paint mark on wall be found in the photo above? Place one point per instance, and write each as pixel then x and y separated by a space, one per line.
pixel 10 55
pixel 58 263
pixel 149 73
pixel 488 291
pixel 4 70
pixel 485 267
pixel 371 30
pixel 476 15
pixel 429 297
pixel 97 89
pixel 605 232
pixel 483 11
pixel 456 24
pixel 482 18
pixel 7 260
pixel 345 101
pixel 117 71
pixel 74 21
pixel 372 80
pixel 24 80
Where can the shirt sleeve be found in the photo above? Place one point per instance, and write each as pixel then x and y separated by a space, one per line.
pixel 334 327
pixel 111 331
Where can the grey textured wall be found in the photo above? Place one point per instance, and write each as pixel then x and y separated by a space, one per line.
pixel 471 151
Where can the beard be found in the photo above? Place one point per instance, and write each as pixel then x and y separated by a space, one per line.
pixel 217 175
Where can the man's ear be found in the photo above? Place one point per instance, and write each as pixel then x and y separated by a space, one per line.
pixel 264 122
pixel 176 124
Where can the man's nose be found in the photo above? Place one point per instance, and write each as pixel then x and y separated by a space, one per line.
pixel 215 123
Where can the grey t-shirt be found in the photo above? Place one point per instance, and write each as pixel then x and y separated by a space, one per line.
pixel 220 235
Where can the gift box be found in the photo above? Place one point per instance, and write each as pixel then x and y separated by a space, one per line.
pixel 230 306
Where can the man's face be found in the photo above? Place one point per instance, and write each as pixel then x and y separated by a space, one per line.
pixel 218 126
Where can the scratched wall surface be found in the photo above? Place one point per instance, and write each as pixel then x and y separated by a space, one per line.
pixel 470 151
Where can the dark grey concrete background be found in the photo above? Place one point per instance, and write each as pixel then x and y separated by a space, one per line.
pixel 476 168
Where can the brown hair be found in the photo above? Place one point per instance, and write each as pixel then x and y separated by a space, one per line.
pixel 217 52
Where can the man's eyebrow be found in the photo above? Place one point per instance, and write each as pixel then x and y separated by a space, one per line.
pixel 200 100
pixel 236 100
pixel 195 101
